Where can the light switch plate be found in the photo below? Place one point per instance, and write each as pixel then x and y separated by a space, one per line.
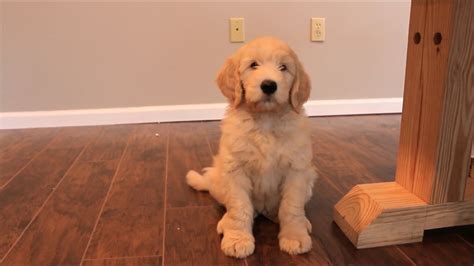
pixel 237 29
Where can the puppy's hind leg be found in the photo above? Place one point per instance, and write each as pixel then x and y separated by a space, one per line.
pixel 201 182
pixel 197 181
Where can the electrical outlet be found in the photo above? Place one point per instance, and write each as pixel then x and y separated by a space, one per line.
pixel 236 29
pixel 318 29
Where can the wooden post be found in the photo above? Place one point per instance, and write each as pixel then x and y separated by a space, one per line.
pixel 432 187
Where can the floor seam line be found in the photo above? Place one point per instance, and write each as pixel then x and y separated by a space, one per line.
pixel 105 199
pixel 165 203
pixel 405 255
pixel 122 257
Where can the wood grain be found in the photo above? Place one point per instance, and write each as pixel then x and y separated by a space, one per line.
pixel 59 234
pixel 12 136
pixel 440 247
pixel 412 96
pixel 25 194
pixel 148 143
pixel 188 150
pixel 359 212
pixel 438 109
pixel 213 131
pixel 75 137
pixel 109 145
pixel 191 237
pixel 449 214
pixel 439 16
pixel 21 150
pixel 344 137
pixel 133 261
pixel 457 130
pixel 131 223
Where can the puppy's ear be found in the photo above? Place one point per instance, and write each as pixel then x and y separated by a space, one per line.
pixel 301 88
pixel 228 80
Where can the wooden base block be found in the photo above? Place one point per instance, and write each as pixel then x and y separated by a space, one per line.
pixel 380 214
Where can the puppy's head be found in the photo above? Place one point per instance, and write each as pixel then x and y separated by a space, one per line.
pixel 265 75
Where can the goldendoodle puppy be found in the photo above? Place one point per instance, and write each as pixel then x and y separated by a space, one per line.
pixel 264 160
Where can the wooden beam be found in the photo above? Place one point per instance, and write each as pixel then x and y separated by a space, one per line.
pixel 457 125
pixel 433 72
pixel 436 128
pixel 382 214
pixel 412 96
pixel 432 188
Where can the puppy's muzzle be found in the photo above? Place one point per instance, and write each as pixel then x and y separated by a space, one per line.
pixel 268 86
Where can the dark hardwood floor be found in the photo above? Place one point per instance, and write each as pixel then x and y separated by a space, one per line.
pixel 116 195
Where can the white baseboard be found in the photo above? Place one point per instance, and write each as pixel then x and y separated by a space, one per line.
pixel 174 113
pixel 354 106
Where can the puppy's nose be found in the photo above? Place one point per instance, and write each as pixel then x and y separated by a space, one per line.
pixel 268 86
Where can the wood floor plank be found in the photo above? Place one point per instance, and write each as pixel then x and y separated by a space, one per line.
pixel 188 150
pixel 130 230
pixel 131 223
pixel 355 148
pixel 191 237
pixel 60 233
pixel 11 136
pixel 109 145
pixel 466 233
pixel 267 251
pixel 22 150
pixel 75 137
pixel 440 247
pixel 24 195
pixel 147 143
pixel 133 261
pixel 213 131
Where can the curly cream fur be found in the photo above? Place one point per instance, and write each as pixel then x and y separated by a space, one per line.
pixel 264 161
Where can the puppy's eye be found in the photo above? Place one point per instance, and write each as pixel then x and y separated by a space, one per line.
pixel 282 68
pixel 254 65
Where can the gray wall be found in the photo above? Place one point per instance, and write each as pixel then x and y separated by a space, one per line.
pixel 66 55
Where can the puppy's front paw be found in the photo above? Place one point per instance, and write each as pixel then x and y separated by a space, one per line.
pixel 237 244
pixel 296 244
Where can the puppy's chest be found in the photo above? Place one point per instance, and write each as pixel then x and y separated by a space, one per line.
pixel 266 194
pixel 267 155
pixel 266 165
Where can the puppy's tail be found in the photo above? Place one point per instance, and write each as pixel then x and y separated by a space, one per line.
pixel 199 182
